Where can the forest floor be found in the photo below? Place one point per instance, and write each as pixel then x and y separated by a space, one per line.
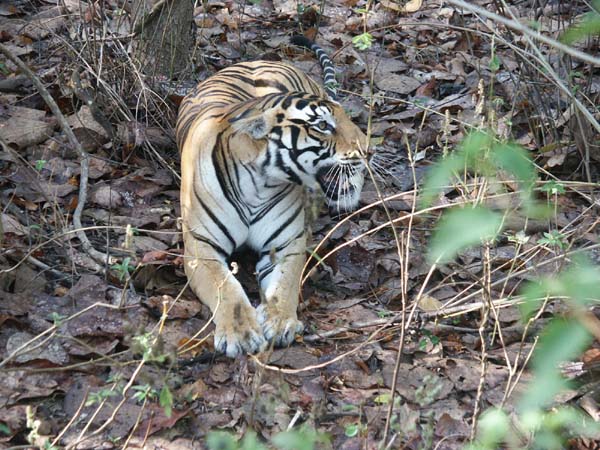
pixel 94 356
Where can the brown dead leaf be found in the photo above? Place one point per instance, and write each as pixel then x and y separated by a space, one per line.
pixel 285 8
pixel 49 21
pixel 410 378
pixel 143 244
pixel 400 6
pixel 427 89
pixel 221 372
pixel 51 351
pixel 400 84
pixel 295 357
pixel 430 304
pixel 124 418
pixel 193 347
pixel 193 390
pixel 211 421
pixel 466 375
pixel 14 418
pixel 154 256
pixel 89 132
pixel 591 357
pixel 180 309
pixel 23 127
pixel 20 385
pixel 106 196
pixel 158 421
pixel 12 225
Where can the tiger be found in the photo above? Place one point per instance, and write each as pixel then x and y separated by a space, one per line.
pixel 252 138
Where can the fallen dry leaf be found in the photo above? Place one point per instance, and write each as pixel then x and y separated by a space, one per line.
pixel 400 6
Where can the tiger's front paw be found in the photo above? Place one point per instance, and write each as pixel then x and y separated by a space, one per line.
pixel 239 334
pixel 278 327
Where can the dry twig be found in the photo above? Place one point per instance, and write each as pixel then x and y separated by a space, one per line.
pixel 97 256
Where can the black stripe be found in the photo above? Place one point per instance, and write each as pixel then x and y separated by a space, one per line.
pixel 265 272
pixel 225 93
pixel 283 226
pixel 214 218
pixel 220 250
pixel 242 92
pixel 251 176
pixel 281 247
pixel 271 83
pixel 271 204
pixel 293 177
pixel 291 77
pixel 295 132
pixel 220 164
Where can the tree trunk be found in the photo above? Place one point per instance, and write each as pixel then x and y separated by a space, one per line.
pixel 165 36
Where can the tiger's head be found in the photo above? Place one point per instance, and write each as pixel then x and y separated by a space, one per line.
pixel 307 140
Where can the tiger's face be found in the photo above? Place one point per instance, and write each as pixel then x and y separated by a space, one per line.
pixel 310 141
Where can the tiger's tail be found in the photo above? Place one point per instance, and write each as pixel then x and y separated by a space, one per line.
pixel 329 80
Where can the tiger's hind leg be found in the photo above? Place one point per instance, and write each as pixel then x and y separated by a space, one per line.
pixel 237 329
pixel 279 270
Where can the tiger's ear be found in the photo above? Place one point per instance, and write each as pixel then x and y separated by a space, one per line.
pixel 252 122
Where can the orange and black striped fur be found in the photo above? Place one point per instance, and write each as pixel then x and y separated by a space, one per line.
pixel 251 138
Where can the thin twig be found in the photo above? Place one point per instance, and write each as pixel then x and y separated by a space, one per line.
pixel 97 256
pixel 527 31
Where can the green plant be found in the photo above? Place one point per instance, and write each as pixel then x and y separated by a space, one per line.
pixel 144 393
pixel 363 41
pixel 553 188
pixel 554 238
pixel 304 438
pixel 149 347
pixel 39 164
pixel 124 268
pixel 483 155
pixel 98 397
pixel 588 26
pixel 165 399
pixel 354 429
pixel 563 339
pixel 428 336
pixel 57 319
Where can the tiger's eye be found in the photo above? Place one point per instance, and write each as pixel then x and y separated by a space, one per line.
pixel 322 125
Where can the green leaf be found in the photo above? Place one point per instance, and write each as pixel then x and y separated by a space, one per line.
pixel 534 292
pixel 590 25
pixel 220 440
pixel 351 430
pixel 438 177
pixel 553 187
pixel 514 159
pixel 494 64
pixel 39 164
pixel 581 282
pixel 303 439
pixel 251 442
pixel 165 399
pixel 562 340
pixel 542 392
pixel 474 146
pixel 363 41
pixel 383 399
pixel 462 228
pixel 292 440
pixel 492 427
